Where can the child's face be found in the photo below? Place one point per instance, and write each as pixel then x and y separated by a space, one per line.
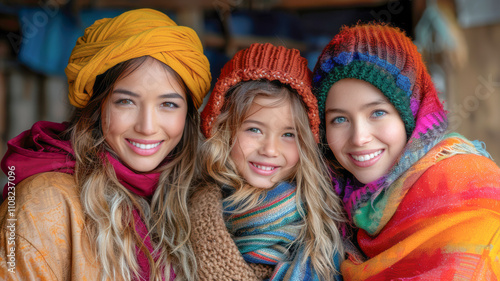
pixel 265 151
pixel 363 129
pixel 146 113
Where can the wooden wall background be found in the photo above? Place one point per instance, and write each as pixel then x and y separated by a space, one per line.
pixel 473 90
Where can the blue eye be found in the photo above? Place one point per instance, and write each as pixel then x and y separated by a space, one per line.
pixel 379 113
pixel 289 135
pixel 254 130
pixel 339 120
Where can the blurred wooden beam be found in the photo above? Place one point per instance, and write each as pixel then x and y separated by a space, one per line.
pixel 304 4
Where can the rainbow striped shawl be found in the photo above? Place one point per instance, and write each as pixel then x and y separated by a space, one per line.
pixel 266 235
pixel 439 220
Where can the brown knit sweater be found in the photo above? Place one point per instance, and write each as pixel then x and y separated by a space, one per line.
pixel 216 253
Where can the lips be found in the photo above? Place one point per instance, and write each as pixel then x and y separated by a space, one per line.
pixel 263 169
pixel 144 147
pixel 366 157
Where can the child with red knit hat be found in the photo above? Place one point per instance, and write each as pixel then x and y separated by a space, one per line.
pixel 265 208
pixel 424 204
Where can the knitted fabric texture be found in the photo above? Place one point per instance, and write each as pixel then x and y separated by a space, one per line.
pixel 266 234
pixel 133 34
pixel 217 256
pixel 385 56
pixel 420 221
pixel 440 220
pixel 381 55
pixel 258 62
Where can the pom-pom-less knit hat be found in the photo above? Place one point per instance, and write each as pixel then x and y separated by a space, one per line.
pixel 133 34
pixel 259 62
pixel 385 57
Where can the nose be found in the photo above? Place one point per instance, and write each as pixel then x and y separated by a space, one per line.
pixel 146 123
pixel 270 146
pixel 361 133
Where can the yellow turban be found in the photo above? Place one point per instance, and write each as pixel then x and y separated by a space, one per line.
pixel 137 33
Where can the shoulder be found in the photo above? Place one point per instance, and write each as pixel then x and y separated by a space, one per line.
pixel 466 165
pixel 205 208
pixel 461 173
pixel 216 253
pixel 41 198
pixel 41 185
pixel 211 192
pixel 48 221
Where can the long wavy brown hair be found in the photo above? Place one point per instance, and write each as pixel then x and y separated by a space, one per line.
pixel 108 205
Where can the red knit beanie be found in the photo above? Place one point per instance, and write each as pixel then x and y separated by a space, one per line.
pixel 258 62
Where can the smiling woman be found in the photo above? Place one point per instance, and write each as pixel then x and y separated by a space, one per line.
pixel 144 117
pixel 104 196
pixel 424 203
pixel 364 130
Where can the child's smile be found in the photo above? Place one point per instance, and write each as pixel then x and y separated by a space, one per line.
pixel 265 151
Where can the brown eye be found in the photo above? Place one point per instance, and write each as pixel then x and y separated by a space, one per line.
pixel 169 105
pixel 123 102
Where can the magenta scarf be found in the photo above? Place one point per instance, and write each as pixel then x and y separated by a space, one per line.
pixel 40 150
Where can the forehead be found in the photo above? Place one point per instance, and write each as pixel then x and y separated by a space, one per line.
pixel 151 75
pixel 267 107
pixel 349 92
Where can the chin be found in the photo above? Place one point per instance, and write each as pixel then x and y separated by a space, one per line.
pixel 367 179
pixel 142 168
pixel 262 185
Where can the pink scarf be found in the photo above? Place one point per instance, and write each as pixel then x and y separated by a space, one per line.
pixel 40 150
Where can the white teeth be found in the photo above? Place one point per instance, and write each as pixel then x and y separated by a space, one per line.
pixel 145 146
pixel 265 168
pixel 362 158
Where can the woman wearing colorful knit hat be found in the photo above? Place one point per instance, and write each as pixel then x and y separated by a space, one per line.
pixel 265 208
pixel 424 204
pixel 104 197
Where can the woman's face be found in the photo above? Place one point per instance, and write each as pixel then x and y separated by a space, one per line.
pixel 144 116
pixel 266 151
pixel 363 129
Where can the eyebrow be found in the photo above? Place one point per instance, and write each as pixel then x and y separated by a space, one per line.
pixel 264 124
pixel 129 93
pixel 364 106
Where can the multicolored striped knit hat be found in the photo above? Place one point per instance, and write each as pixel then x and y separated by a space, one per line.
pixel 385 57
pixel 259 62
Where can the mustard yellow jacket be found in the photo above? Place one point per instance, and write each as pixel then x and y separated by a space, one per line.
pixel 42 235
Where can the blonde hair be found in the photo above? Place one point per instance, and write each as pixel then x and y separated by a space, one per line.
pixel 322 210
pixel 108 205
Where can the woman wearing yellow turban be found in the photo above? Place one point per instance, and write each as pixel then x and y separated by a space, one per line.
pixel 104 196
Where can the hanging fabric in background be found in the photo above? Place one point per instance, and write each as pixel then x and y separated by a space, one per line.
pixel 49 35
pixel 478 12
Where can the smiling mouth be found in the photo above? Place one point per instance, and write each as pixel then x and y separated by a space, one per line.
pixel 363 158
pixel 145 146
pixel 264 168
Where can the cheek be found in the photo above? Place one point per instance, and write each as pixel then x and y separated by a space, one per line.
pixel 115 122
pixel 292 154
pixel 395 136
pixel 334 139
pixel 174 125
pixel 238 155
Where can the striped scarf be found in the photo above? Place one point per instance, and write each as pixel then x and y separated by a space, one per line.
pixel 372 205
pixel 266 234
